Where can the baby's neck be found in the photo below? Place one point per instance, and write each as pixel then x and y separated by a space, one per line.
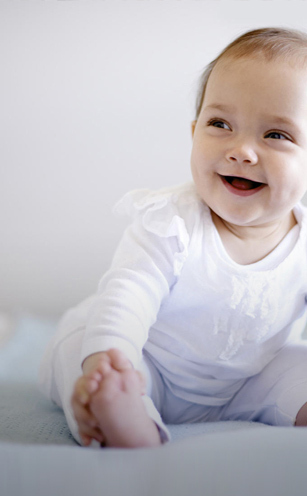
pixel 247 245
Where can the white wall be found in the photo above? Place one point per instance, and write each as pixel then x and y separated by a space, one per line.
pixel 96 99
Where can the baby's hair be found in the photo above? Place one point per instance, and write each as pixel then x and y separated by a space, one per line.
pixel 272 43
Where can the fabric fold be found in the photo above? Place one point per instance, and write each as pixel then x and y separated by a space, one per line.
pixel 159 215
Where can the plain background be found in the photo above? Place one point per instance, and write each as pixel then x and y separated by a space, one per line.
pixel 97 98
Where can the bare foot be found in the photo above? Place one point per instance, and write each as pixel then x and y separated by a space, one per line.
pixel 95 367
pixel 120 412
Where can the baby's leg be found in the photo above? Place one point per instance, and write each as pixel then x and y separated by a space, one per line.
pixel 277 395
pixel 119 408
pixel 60 370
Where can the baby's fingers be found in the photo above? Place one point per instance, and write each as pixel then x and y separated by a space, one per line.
pixel 79 402
pixel 87 434
pixel 87 424
pixel 83 415
pixel 85 386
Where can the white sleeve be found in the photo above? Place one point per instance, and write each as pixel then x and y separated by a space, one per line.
pixel 131 292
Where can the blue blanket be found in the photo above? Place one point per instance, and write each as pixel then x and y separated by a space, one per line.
pixel 39 457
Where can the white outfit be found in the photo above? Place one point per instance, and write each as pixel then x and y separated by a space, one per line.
pixel 206 326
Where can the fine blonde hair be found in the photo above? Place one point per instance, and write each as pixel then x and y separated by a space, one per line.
pixel 272 43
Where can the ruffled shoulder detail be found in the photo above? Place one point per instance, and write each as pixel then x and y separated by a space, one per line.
pixel 159 212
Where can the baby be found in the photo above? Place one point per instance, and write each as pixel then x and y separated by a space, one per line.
pixel 200 316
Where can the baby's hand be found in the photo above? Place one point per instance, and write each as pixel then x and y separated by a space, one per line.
pixel 84 388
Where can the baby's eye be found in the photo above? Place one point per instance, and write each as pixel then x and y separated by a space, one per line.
pixel 217 123
pixel 276 135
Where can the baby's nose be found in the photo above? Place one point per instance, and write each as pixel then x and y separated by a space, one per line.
pixel 242 154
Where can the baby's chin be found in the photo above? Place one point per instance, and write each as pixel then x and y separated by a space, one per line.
pixel 239 219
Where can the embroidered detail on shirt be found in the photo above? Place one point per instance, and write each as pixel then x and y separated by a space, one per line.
pixel 255 297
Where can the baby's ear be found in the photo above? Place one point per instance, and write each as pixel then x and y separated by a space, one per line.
pixel 193 125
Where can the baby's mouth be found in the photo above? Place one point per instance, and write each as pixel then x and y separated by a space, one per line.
pixel 242 183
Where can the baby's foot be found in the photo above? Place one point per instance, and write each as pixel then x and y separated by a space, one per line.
pixel 95 367
pixel 120 411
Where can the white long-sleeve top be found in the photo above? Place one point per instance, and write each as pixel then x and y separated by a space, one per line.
pixel 173 293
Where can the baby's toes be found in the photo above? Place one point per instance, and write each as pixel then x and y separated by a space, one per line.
pixel 103 368
pixel 118 360
pixel 91 382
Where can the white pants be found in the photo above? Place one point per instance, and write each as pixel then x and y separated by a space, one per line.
pixel 273 396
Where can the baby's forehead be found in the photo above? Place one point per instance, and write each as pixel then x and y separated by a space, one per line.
pixel 258 87
pixel 264 71
pixel 296 60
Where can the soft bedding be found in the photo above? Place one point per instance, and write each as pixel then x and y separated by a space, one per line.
pixel 38 455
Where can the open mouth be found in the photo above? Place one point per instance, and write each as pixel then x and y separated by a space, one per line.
pixel 241 183
pixel 241 186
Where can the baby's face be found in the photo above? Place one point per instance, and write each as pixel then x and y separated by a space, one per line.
pixel 249 155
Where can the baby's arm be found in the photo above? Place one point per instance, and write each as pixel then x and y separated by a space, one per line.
pixel 125 307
